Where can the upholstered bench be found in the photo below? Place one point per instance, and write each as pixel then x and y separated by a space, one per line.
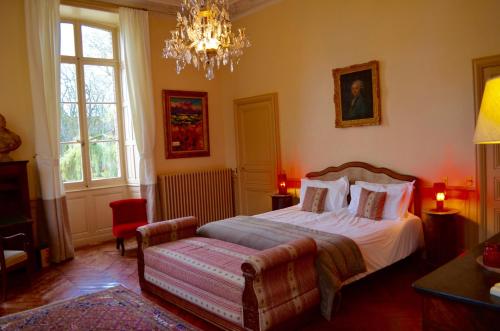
pixel 232 286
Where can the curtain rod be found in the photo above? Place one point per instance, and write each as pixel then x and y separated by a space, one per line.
pixel 104 6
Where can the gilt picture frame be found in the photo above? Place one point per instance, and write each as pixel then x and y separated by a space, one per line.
pixel 357 95
pixel 186 124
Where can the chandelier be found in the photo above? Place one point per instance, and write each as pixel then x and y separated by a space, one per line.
pixel 203 37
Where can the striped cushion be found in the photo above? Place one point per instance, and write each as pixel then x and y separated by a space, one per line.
pixel 204 271
pixel 314 199
pixel 371 204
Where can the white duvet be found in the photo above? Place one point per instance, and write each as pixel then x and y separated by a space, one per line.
pixel 382 243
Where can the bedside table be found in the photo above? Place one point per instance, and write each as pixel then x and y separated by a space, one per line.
pixel 281 201
pixel 441 236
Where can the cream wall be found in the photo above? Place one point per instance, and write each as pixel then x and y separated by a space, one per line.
pixel 424 47
pixel 425 50
pixel 165 77
pixel 15 91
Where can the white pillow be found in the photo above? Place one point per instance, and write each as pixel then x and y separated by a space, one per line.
pixel 336 196
pixel 405 204
pixel 353 204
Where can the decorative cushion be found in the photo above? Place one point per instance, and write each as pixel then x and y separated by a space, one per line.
pixel 13 257
pixel 127 230
pixel 398 197
pixel 314 199
pixel 371 204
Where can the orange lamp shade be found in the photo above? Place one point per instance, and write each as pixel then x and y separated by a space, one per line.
pixel 440 195
pixel 282 185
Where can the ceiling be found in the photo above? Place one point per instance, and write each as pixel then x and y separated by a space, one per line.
pixel 237 8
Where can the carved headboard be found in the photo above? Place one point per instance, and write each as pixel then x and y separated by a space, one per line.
pixel 369 173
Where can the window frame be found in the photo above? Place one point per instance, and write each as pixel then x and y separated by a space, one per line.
pixel 80 61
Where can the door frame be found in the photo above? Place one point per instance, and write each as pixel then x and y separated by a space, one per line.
pixel 478 66
pixel 273 97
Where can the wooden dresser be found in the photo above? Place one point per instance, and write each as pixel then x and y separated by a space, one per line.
pixel 457 296
pixel 15 212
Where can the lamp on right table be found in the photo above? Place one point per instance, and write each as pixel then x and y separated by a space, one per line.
pixel 440 196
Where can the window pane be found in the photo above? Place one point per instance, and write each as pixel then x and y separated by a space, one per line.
pixel 67 39
pixel 104 160
pixel 70 126
pixel 97 43
pixel 71 162
pixel 102 122
pixel 68 83
pixel 99 84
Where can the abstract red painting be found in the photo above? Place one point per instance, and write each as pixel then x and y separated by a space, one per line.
pixel 186 124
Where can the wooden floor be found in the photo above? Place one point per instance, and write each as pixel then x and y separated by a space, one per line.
pixel 382 301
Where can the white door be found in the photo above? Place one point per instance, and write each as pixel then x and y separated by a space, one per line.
pixel 488 160
pixel 258 153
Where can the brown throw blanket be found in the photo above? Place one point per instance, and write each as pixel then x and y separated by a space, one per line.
pixel 339 258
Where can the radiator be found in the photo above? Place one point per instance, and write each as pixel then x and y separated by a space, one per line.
pixel 208 195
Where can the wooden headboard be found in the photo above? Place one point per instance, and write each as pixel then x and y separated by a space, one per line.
pixel 369 173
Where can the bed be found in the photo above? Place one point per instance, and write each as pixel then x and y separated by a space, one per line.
pixel 377 243
pixel 382 243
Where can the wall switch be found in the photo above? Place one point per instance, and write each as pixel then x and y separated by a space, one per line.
pixel 469 181
pixel 445 180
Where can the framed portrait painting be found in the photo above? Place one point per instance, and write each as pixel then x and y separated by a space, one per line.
pixel 186 124
pixel 357 95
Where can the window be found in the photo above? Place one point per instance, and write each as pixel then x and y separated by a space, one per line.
pixel 91 129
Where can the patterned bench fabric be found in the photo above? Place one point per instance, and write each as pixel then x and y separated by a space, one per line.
pixel 271 316
pixel 221 307
pixel 206 272
pixel 167 231
pixel 285 281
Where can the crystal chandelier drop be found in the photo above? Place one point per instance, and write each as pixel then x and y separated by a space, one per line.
pixel 203 37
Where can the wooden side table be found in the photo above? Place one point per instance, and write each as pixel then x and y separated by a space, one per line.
pixel 281 201
pixel 457 295
pixel 441 236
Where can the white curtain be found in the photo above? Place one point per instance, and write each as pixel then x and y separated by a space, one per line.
pixel 42 31
pixel 134 33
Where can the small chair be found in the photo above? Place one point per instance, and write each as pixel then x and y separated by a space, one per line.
pixel 128 215
pixel 14 254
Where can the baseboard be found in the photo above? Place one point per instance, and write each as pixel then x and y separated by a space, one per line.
pixel 94 240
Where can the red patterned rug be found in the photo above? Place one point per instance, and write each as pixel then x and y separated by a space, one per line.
pixel 116 308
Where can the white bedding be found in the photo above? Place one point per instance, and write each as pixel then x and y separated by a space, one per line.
pixel 382 243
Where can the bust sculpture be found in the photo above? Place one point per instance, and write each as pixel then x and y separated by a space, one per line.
pixel 9 141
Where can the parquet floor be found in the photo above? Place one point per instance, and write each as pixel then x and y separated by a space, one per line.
pixel 382 301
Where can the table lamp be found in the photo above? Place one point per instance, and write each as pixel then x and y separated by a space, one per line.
pixel 488 132
pixel 282 185
pixel 440 195
pixel 488 121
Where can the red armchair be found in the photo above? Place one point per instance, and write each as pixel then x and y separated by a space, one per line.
pixel 128 215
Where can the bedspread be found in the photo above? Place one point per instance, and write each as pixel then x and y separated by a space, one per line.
pixel 338 259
